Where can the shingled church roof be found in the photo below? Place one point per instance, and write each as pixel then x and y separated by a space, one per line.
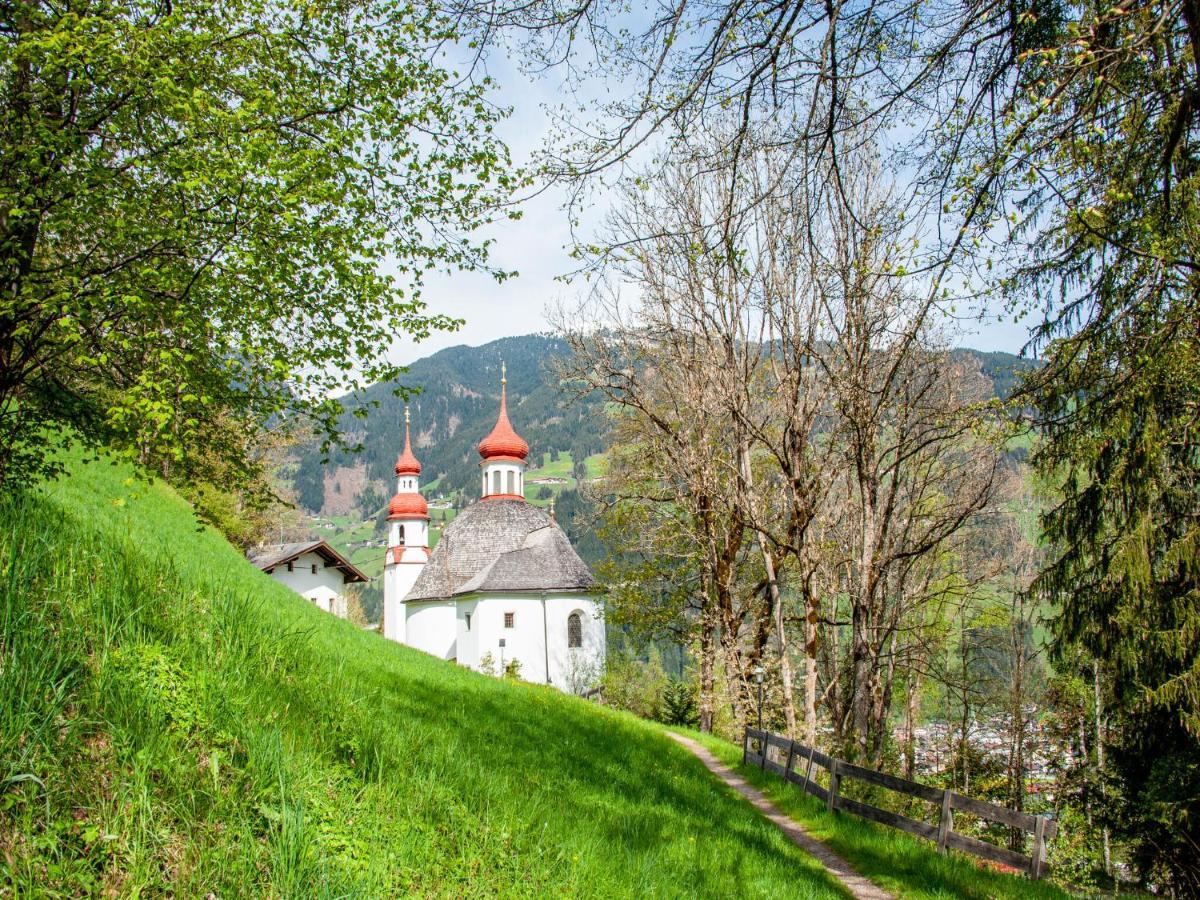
pixel 501 545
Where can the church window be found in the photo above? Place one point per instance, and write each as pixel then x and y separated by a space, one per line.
pixel 401 534
pixel 574 630
pixel 512 482
pixel 496 482
pixel 508 619
pixel 468 621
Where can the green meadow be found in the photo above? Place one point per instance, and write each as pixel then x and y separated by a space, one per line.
pixel 173 722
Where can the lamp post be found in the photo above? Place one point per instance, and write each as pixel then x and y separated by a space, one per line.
pixel 759 672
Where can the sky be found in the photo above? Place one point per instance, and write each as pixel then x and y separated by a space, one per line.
pixel 537 247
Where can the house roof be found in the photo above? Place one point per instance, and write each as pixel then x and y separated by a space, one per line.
pixel 501 545
pixel 272 556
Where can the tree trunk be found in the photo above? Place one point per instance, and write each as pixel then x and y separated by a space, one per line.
pixel 861 671
pixel 1016 712
pixel 707 658
pixel 785 663
pixel 910 726
pixel 1105 848
pixel 812 611
pixel 838 717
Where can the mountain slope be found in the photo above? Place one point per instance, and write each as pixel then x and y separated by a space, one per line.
pixel 460 391
pixel 174 721
pixel 457 406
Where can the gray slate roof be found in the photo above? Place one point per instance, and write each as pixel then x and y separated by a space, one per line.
pixel 501 545
pixel 272 555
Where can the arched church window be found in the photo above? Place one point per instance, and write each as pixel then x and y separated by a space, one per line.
pixel 496 482
pixel 512 482
pixel 574 630
pixel 401 534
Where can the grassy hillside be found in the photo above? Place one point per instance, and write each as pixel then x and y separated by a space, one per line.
pixel 173 721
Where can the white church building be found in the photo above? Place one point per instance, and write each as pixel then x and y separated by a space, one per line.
pixel 503 583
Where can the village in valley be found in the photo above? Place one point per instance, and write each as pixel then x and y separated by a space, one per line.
pixel 575 449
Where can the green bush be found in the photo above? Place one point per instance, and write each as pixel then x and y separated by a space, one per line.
pixel 636 685
pixel 680 704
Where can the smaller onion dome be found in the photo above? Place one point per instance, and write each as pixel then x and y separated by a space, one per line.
pixel 504 440
pixel 408 506
pixel 406 462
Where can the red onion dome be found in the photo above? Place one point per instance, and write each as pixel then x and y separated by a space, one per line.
pixel 408 506
pixel 406 462
pixel 504 440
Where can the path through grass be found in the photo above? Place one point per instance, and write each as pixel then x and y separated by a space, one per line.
pixel 907 866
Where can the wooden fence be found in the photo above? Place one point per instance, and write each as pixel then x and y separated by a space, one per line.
pixel 800 760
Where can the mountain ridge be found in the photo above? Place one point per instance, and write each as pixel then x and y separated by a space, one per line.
pixel 457 406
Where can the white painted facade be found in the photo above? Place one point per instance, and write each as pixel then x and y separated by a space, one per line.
pixel 430 626
pixel 535 630
pixel 503 477
pixel 310 577
pixel 398 579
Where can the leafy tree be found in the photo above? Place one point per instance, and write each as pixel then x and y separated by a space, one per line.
pixel 1117 398
pixel 197 201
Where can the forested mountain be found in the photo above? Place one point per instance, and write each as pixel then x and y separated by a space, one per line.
pixel 460 391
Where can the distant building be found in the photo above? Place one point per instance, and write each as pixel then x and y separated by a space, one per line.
pixel 503 584
pixel 312 569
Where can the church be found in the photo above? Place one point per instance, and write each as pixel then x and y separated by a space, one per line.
pixel 503 586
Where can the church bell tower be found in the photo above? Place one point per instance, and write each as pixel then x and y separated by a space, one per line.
pixel 503 452
pixel 408 540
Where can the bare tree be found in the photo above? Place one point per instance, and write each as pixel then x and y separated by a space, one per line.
pixel 917 460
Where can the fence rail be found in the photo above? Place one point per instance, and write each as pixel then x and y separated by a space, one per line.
pixel 798 766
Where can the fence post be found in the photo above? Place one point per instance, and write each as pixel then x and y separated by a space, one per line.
pixel 1038 860
pixel 764 747
pixel 808 770
pixel 945 821
pixel 834 781
pixel 787 766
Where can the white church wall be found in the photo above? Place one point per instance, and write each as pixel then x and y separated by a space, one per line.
pixel 538 636
pixel 511 478
pixel 431 626
pixel 324 587
pixel 468 628
pixel 410 532
pixel 398 579
pixel 523 641
pixel 575 669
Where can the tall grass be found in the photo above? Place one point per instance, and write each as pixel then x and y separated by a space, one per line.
pixel 173 721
